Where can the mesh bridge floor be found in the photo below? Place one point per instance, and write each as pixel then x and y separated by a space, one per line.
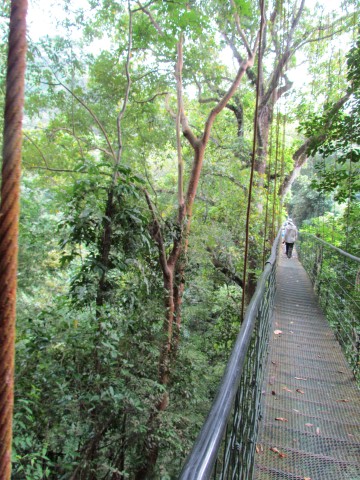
pixel 311 413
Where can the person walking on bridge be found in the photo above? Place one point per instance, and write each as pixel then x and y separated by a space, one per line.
pixel 290 237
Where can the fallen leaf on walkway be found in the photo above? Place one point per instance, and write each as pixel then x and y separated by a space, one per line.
pixel 287 389
pixel 343 400
pixel 317 431
pixel 259 448
pixel 274 449
pixel 300 378
pixel 309 424
pixel 299 391
pixel 306 478
pixel 341 371
pixel 296 411
pixel 271 380
pixel 274 363
pixel 273 392
pixel 277 332
pixel 281 419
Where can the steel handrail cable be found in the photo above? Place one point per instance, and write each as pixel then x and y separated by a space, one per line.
pixel 346 254
pixel 333 290
pixel 202 458
pixel 9 217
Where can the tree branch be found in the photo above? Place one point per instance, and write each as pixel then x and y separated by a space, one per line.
pixel 221 267
pixel 222 103
pixel 93 116
pixel 307 40
pixel 187 132
pixel 37 148
pixel 282 90
pixel 240 30
pixel 152 20
pixel 283 58
pixel 228 177
pixel 144 6
pixel 250 74
pixel 301 155
pixel 63 170
pixel 152 98
pixel 94 147
pixel 204 100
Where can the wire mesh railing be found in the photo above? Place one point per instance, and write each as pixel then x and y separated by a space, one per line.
pixel 225 447
pixel 335 275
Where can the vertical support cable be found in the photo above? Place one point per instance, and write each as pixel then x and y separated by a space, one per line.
pixel 274 205
pixel 266 234
pixel 9 215
pixel 262 23
pixel 280 206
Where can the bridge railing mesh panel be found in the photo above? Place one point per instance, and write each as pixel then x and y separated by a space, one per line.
pixel 335 275
pixel 225 447
pixel 310 428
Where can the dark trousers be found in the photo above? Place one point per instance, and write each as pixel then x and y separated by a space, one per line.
pixel 289 249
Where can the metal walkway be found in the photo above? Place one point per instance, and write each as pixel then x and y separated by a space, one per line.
pixel 311 423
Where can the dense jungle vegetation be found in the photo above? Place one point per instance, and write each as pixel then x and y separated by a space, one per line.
pixel 137 153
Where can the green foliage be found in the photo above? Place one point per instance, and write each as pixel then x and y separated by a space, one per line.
pixel 323 216
pixel 226 309
pixel 91 314
pixel 335 135
pixel 307 203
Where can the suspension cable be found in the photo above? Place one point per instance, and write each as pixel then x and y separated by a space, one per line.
pixel 282 172
pixel 348 207
pixel 9 216
pixel 276 163
pixel 247 228
pixel 271 233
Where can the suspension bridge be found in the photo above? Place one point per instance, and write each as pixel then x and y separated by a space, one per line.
pixel 288 406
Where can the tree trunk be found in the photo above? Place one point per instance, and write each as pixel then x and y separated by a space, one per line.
pixel 120 461
pixel 173 264
pixel 104 251
pixel 173 281
pixel 265 117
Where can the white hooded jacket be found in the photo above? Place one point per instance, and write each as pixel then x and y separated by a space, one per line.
pixel 290 233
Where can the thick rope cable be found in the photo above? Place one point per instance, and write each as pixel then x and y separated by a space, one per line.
pixel 247 228
pixel 9 215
